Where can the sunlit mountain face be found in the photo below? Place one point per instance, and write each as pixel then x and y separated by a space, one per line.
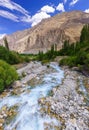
pixel 18 15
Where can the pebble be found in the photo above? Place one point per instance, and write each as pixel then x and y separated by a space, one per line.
pixel 1 116
pixel 68 104
pixel 1 124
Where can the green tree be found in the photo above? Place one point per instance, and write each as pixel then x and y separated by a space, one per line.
pixel 40 55
pixel 78 52
pixel 6 43
pixel 52 49
pixel 10 57
pixel 85 34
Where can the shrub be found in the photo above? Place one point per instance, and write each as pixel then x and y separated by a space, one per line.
pixel 70 61
pixel 78 52
pixel 8 75
pixel 10 57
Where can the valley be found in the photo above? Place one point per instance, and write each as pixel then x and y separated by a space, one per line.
pixel 45 98
pixel 44 75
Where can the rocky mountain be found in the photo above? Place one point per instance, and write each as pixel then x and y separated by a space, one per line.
pixel 54 30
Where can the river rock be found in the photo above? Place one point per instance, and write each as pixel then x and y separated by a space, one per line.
pixel 67 104
pixel 1 116
pixel 1 121
pixel 16 84
pixel 1 124
pixel 41 100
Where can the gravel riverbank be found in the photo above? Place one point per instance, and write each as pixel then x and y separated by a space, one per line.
pixel 68 103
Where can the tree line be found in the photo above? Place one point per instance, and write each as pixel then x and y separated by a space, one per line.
pixel 77 53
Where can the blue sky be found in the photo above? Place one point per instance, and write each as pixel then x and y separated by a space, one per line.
pixel 18 15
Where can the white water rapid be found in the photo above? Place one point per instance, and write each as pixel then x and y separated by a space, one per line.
pixel 28 115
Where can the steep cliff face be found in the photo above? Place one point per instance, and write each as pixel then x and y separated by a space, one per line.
pixel 55 30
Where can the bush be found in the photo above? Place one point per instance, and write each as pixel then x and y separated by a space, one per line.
pixel 78 52
pixel 8 75
pixel 70 61
pixel 10 57
pixel 49 55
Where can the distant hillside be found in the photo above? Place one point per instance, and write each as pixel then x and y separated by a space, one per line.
pixel 77 54
pixel 55 30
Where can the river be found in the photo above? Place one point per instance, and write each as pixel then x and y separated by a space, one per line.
pixel 28 116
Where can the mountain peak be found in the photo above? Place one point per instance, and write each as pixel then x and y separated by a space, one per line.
pixel 54 30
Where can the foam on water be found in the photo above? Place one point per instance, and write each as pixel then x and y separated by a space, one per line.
pixel 29 117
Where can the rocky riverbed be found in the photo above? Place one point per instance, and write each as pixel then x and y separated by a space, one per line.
pixel 69 102
pixel 46 97
pixel 19 108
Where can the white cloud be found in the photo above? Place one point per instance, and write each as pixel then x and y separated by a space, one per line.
pixel 13 6
pixel 73 2
pixel 38 17
pixel 60 7
pixel 8 15
pixel 2 35
pixel 87 11
pixel 43 13
pixel 48 9
pixel 25 18
pixel 35 19
pixel 65 1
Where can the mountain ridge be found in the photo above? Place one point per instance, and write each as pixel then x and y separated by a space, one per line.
pixel 54 30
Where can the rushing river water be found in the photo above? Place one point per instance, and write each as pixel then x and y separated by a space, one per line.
pixel 28 115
